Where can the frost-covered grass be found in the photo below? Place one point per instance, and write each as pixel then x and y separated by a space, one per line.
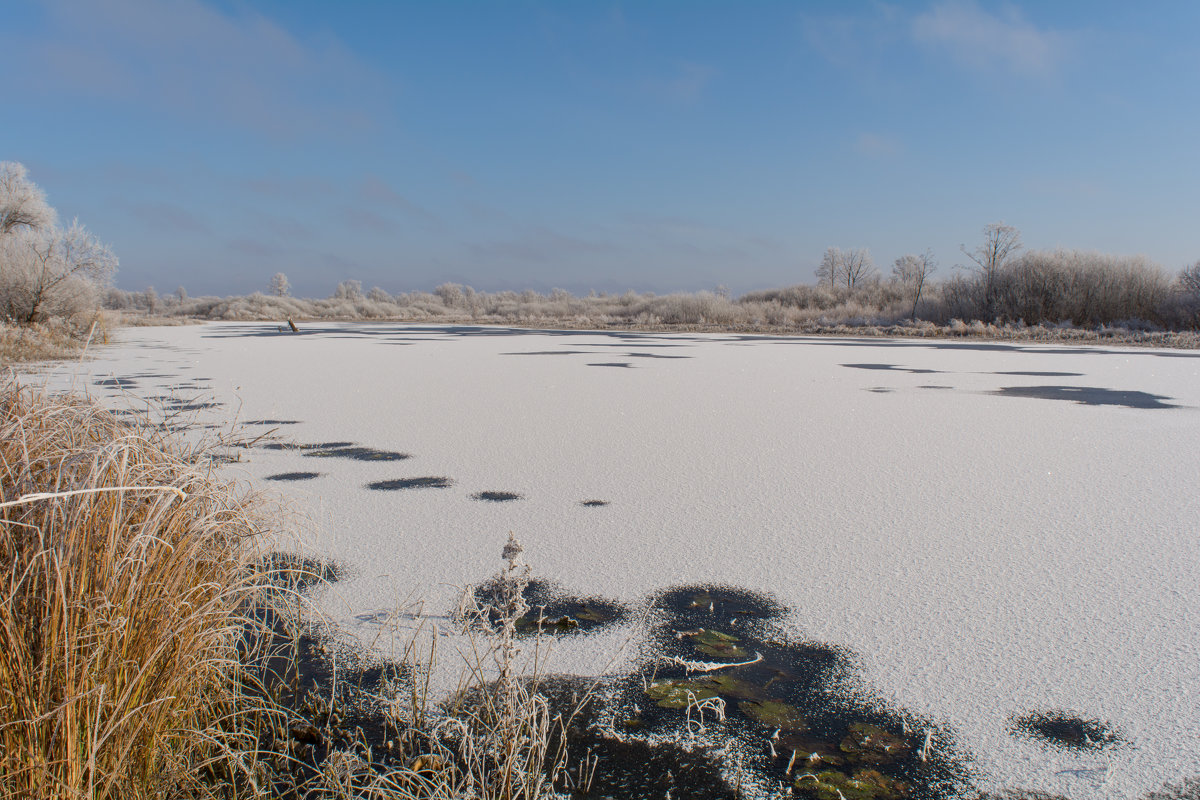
pixel 123 595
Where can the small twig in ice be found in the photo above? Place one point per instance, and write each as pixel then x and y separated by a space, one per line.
pixel 710 666
pixel 926 747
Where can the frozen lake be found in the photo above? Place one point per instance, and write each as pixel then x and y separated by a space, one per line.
pixel 992 530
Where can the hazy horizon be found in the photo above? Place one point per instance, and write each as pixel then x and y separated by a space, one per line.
pixel 610 146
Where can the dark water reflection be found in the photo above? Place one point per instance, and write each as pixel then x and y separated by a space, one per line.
pixel 1090 396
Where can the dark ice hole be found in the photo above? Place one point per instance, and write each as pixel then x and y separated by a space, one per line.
pixel 293 476
pixel 412 483
pixel 1066 730
pixel 1089 396
pixel 496 497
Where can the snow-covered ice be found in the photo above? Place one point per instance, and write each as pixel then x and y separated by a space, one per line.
pixel 992 528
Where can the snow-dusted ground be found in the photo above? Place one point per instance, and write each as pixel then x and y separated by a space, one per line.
pixel 992 528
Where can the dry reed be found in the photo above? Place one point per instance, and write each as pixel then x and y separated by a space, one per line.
pixel 137 660
pixel 122 612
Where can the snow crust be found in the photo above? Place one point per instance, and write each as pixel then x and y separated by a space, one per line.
pixel 983 553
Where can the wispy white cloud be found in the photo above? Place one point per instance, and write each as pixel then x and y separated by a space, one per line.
pixel 981 40
pixel 192 60
pixel 856 42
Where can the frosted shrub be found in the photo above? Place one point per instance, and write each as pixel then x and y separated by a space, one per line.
pixel 378 295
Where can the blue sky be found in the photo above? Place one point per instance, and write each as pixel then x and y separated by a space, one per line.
pixel 646 145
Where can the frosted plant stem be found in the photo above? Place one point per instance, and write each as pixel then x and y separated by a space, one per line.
pixel 32 498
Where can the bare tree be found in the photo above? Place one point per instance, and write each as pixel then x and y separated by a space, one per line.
pixel 1000 243
pixel 911 271
pixel 22 202
pixel 279 285
pixel 831 264
pixel 849 268
pixel 51 272
pixel 859 267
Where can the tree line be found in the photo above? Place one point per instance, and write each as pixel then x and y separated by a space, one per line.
pixel 48 271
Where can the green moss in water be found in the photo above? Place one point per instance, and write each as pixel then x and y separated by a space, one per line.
pixel 774 714
pixel 716 643
pixel 864 784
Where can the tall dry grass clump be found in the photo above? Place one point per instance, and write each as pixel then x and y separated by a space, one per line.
pixel 122 608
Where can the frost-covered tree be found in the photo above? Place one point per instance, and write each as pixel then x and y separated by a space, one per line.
pixel 1189 281
pixel 51 272
pixel 1000 243
pixel 22 202
pixel 848 268
pixel 348 290
pixel 451 294
pixel 45 270
pixel 279 285
pixel 378 295
pixel 912 271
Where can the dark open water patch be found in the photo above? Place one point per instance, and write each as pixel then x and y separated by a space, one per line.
pixel 548 353
pixel 124 383
pixel 881 389
pixel 293 476
pixel 430 482
pixel 356 453
pixel 1043 374
pixel 271 422
pixel 791 723
pixel 497 497
pixel 1066 730
pixel 593 503
pixel 1089 396
pixel 892 368
pixel 794 713
pixel 551 610
pixel 612 364
pixel 696 605
pixel 652 355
